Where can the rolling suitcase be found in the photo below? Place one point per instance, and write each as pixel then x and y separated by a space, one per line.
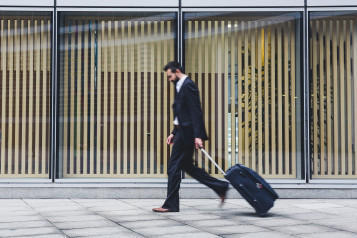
pixel 253 188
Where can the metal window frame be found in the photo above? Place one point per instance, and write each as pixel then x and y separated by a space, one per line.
pixel 331 3
pixel 117 9
pixel 243 9
pixel 4 182
pixel 26 3
pixel 115 3
pixel 243 3
pixel 50 177
pixel 27 9
pixel 306 134
pixel 329 9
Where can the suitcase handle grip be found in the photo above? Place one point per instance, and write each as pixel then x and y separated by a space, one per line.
pixel 219 168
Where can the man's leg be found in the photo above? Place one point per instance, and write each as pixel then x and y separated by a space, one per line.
pixel 219 186
pixel 172 201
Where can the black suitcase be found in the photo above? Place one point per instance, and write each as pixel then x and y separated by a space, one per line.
pixel 253 188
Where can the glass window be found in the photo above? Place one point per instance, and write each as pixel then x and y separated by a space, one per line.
pixel 114 99
pixel 247 67
pixel 25 83
pixel 333 67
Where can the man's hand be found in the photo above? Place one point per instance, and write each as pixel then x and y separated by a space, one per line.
pixel 170 139
pixel 198 142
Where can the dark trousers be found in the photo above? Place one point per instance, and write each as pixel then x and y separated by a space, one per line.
pixel 181 158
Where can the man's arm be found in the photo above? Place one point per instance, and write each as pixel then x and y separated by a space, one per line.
pixel 174 131
pixel 194 107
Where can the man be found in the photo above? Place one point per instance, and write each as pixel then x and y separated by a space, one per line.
pixel 188 132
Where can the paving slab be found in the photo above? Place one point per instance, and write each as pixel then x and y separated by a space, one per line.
pixel 124 212
pixel 119 235
pixel 44 236
pixel 291 210
pixel 29 231
pixel 185 235
pixel 225 207
pixel 183 212
pixel 84 224
pixel 303 229
pixel 150 223
pixel 335 221
pixel 83 212
pixel 267 234
pixel 75 218
pixel 317 205
pixel 341 210
pixel 113 207
pixel 24 224
pixel 58 208
pixel 276 221
pixel 157 231
pixel 100 231
pixel 137 218
pixel 309 216
pixel 339 234
pixel 213 222
pixel 6 208
pixel 223 230
pixel 20 218
pixel 198 217
pixel 49 202
pixel 19 213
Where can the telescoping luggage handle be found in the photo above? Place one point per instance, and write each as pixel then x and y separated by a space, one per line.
pixel 212 160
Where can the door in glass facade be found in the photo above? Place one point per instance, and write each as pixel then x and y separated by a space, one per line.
pixel 25 83
pixel 114 99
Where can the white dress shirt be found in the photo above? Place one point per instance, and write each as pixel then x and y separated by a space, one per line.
pixel 178 87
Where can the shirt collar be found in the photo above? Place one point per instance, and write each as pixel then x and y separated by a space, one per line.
pixel 180 82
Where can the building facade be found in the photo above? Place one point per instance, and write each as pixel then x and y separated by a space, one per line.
pixel 84 98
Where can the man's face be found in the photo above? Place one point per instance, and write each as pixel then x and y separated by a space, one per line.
pixel 173 78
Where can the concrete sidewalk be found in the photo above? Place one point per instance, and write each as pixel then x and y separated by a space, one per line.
pixel 50 218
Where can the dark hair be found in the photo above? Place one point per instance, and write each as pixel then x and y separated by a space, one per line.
pixel 174 65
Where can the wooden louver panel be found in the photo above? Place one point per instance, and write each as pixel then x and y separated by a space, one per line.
pixel 116 103
pixel 251 77
pixel 25 59
pixel 333 45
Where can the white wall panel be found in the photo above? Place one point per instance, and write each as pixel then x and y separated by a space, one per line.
pixel 116 3
pixel 46 3
pixel 322 3
pixel 242 3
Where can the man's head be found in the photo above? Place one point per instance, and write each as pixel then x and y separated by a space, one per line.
pixel 174 71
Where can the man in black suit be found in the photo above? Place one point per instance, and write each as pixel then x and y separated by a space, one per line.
pixel 188 132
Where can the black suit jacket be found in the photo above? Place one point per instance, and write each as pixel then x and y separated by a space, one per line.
pixel 187 109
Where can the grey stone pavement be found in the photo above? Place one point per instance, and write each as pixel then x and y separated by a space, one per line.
pixel 52 218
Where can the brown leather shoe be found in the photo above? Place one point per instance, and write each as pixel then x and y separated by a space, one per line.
pixel 223 198
pixel 161 209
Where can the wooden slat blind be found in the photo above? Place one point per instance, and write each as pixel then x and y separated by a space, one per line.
pixel 117 100
pixel 25 46
pixel 333 51
pixel 252 78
